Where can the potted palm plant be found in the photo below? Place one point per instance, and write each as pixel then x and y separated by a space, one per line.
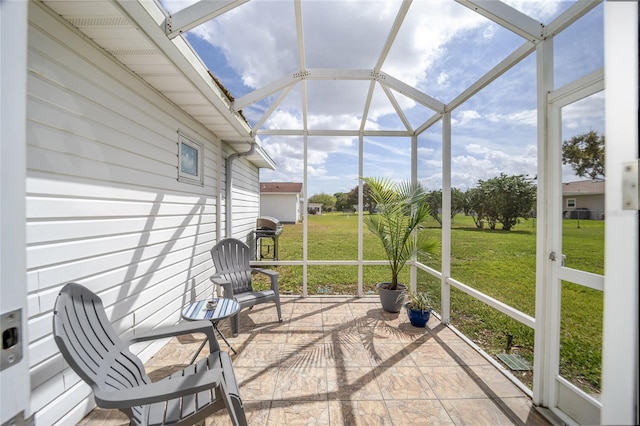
pixel 401 213
pixel 419 307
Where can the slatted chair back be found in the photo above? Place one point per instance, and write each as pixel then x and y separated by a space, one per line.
pixel 90 345
pixel 117 377
pixel 231 259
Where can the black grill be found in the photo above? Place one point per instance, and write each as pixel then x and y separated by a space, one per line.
pixel 266 237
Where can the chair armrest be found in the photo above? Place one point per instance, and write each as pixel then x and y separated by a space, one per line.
pixel 179 329
pixel 188 327
pixel 225 284
pixel 273 275
pixel 265 271
pixel 159 391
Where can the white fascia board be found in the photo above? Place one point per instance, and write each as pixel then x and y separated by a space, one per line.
pixel 507 63
pixel 263 92
pixel 571 15
pixel 196 14
pixel 412 92
pixel 257 157
pixel 147 16
pixel 508 17
pixel 269 161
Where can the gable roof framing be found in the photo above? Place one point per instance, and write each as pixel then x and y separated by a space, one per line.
pixel 196 14
pixel 185 80
pixel 508 17
pixel 500 13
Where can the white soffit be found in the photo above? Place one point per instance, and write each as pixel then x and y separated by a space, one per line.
pixel 126 31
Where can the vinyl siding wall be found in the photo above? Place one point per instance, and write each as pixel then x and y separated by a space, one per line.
pixel 284 207
pixel 104 206
pixel 593 202
pixel 245 195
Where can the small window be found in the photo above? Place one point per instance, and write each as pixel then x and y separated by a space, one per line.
pixel 190 161
pixel 571 203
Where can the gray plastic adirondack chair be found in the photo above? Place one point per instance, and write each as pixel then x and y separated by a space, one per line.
pixel 234 274
pixel 94 351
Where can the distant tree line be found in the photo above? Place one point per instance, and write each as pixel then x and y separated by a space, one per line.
pixel 502 199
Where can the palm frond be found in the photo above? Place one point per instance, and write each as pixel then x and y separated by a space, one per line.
pixel 401 210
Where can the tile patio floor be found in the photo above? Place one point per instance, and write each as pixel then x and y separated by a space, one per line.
pixel 343 361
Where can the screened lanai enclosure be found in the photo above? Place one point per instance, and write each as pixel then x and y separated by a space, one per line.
pixel 444 94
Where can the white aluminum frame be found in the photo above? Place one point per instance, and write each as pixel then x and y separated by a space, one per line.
pixel 620 386
pixel 565 400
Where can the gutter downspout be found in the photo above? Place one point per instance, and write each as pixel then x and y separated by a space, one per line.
pixel 229 172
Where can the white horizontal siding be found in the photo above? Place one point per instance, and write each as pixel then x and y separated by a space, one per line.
pixel 104 206
pixel 245 197
pixel 283 207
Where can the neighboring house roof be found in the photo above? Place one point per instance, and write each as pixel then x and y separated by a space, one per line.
pixel 281 187
pixel 583 187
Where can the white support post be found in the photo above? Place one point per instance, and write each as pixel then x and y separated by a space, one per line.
pixel 620 329
pixel 445 301
pixel 542 382
pixel 360 216
pixel 305 222
pixel 413 277
pixel 14 368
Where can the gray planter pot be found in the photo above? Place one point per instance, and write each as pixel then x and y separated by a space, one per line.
pixel 391 300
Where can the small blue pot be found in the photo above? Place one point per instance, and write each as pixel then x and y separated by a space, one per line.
pixel 418 318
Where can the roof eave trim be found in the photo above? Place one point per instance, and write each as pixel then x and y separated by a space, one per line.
pixel 149 18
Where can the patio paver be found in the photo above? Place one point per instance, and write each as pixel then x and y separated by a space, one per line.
pixel 343 361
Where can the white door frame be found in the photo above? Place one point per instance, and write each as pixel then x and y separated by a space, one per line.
pixel 620 342
pixel 568 402
pixel 14 374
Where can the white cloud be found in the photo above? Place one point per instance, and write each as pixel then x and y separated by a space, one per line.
pixel 489 32
pixel 527 117
pixel 259 42
pixel 464 117
pixel 288 153
pixel 479 162
pixel 284 120
pixel 476 149
pixel 341 122
pixel 584 115
pixel 442 79
pixel 540 10
pixel 429 25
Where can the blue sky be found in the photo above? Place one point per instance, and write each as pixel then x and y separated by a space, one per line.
pixel 442 48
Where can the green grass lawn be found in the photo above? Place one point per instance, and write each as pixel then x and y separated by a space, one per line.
pixel 498 263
